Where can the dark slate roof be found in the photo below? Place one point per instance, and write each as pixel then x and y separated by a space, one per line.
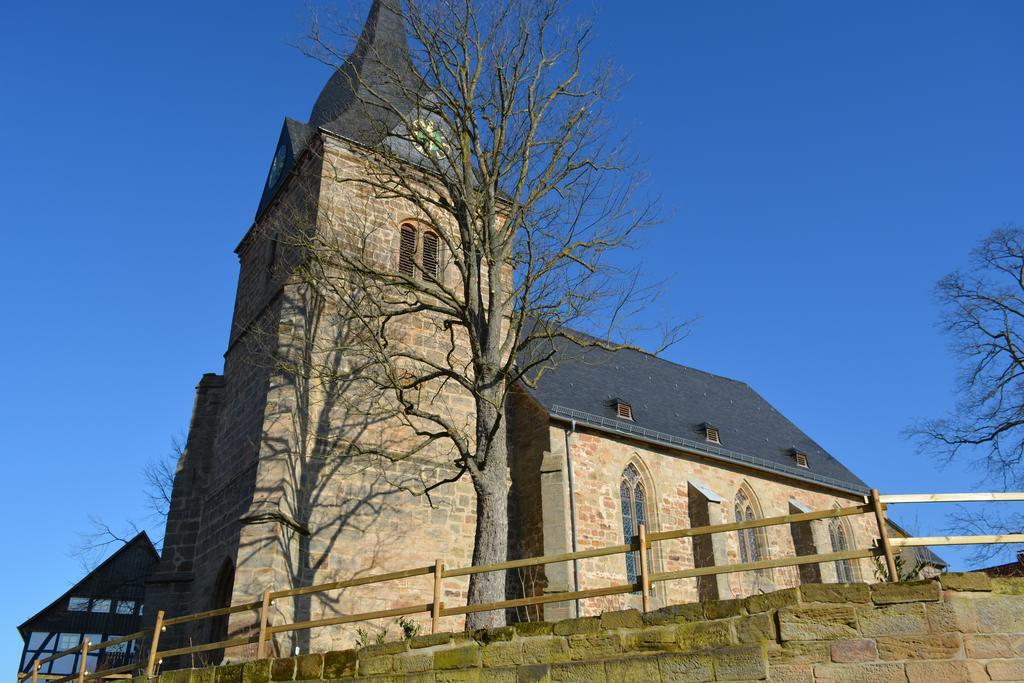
pixel 670 404
pixel 360 99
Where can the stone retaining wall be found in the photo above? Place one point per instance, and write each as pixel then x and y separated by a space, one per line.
pixel 962 627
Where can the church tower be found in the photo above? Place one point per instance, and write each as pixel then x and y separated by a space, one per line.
pixel 256 504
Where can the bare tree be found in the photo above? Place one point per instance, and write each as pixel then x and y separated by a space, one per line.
pixel 158 480
pixel 525 203
pixel 983 314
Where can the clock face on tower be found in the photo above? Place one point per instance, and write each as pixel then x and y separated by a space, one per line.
pixel 428 139
pixel 276 166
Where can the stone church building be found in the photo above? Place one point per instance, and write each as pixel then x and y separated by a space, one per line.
pixel 606 440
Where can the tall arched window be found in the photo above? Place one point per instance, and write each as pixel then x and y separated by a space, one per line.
pixel 431 255
pixel 837 534
pixel 749 541
pixel 634 513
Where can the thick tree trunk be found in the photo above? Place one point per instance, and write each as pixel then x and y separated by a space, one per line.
pixel 491 540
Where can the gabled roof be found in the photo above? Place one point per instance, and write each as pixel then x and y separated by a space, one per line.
pixel 139 543
pixel 670 404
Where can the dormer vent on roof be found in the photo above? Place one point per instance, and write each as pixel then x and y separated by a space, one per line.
pixel 711 433
pixel 800 457
pixel 623 410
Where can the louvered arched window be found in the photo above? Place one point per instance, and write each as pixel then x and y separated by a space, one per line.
pixel 634 513
pixel 749 541
pixel 407 251
pixel 431 255
pixel 837 534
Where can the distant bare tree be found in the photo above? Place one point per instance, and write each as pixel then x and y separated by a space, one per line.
pixel 511 165
pixel 983 314
pixel 158 480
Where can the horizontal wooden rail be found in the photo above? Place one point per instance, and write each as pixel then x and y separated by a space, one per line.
pixel 121 639
pixel 223 644
pixel 361 581
pixel 952 497
pixel 766 564
pixel 209 614
pixel 544 559
pixel 111 672
pixel 756 523
pixel 956 540
pixel 349 618
pixel 539 600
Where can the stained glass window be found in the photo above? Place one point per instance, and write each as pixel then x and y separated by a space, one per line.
pixel 634 513
pixel 750 545
pixel 837 534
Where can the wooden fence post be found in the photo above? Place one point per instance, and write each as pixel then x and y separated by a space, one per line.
pixel 645 579
pixel 435 609
pixel 883 535
pixel 84 659
pixel 35 671
pixel 261 644
pixel 154 644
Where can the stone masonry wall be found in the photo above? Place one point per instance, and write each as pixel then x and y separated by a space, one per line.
pixel 963 627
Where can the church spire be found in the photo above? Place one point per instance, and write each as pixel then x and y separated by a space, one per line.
pixel 378 74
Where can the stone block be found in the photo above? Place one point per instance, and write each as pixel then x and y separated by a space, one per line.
pixel 494 635
pixel 686 668
pixel 410 662
pixel 340 664
pixel 886 672
pixel 549 650
pixel 675 614
pixel 176 676
pixel 1000 614
pixel 209 674
pixel 933 646
pixel 578 672
pixel 741 663
pixel 310 667
pixel 595 646
pixel 633 670
pixel 430 641
pixel 704 634
pixel 965 581
pixel 283 669
pixel 231 673
pixel 662 638
pixel 799 652
pixel 941 672
pixel 850 651
pixel 510 675
pixel 952 616
pixel 461 657
pixel 722 609
pixel 757 628
pixel 906 591
pixel 1010 585
pixel 773 600
pixel 1006 670
pixel 465 676
pixel 533 628
pixel 817 623
pixel 371 666
pixel 534 673
pixel 378 649
pixel 627 618
pixel 497 655
pixel 581 625
pixel 842 593
pixel 791 673
pixel 995 646
pixel 256 672
pixel 892 620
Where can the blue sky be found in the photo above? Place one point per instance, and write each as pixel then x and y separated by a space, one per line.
pixel 822 164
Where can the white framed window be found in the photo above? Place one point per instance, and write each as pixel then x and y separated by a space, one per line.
pixel 78 604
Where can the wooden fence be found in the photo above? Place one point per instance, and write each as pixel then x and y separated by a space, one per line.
pixel 874 505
